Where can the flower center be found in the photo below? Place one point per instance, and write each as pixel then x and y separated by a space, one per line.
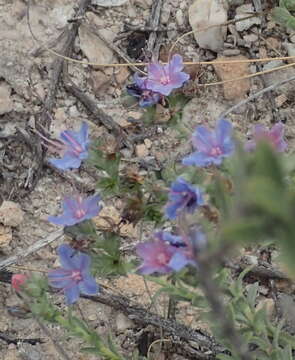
pixel 215 151
pixel 76 275
pixel 165 80
pixel 162 259
pixel 80 213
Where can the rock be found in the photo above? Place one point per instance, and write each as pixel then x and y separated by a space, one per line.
pixel 280 100
pixel 250 38
pixel 6 104
pixel 5 236
pixel 122 74
pixel 244 11
pixel 99 81
pixel 205 13
pixel 147 143
pixel 141 151
pixel 231 52
pixel 108 3
pixel 269 306
pixel 179 17
pixel 94 48
pixel 272 64
pixel 273 43
pixel 290 47
pixel 123 323
pixel 234 89
pixel 11 214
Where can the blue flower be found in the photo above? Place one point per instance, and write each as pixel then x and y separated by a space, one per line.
pixel 74 276
pixel 168 252
pixel 165 78
pixel 146 97
pixel 77 210
pixel 183 197
pixel 74 148
pixel 212 146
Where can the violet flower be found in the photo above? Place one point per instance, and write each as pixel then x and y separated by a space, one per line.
pixel 167 253
pixel 73 278
pixel 174 240
pixel 74 148
pixel 165 78
pixel 212 145
pixel 76 210
pixel 274 136
pixel 183 197
pixel 139 90
pixel 156 257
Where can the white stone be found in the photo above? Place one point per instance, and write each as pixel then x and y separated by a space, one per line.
pixel 141 151
pixel 123 323
pixel 94 48
pixel 108 3
pixel 179 17
pixel 11 214
pixel 6 104
pixel 244 11
pixel 202 15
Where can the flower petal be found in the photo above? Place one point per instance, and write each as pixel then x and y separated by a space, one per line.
pixel 223 131
pixel 66 256
pixel 59 278
pixel 176 63
pixel 82 262
pixel 198 159
pixel 202 139
pixel 68 161
pixel 72 294
pixel 178 261
pixel 65 220
pixel 91 205
pixel 88 286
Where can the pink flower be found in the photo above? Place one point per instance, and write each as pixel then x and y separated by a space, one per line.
pixel 164 78
pixel 274 136
pixel 18 280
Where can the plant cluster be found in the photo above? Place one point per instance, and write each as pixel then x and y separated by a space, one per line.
pixel 223 195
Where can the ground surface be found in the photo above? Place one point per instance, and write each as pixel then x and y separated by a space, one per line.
pixel 24 84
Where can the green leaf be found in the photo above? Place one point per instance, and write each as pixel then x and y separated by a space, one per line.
pixel 283 17
pixel 252 294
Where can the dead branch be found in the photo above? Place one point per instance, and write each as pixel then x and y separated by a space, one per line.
pixel 31 249
pixel 197 344
pixel 99 116
pixel 255 96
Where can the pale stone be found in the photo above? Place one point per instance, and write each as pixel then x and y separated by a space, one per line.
pixel 5 236
pixel 94 48
pixel 11 214
pixel 244 11
pixel 147 143
pixel 141 150
pixel 202 15
pixel 123 323
pixel 233 89
pixel 6 104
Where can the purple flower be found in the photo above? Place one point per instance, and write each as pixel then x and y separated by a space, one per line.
pixel 274 136
pixel 174 240
pixel 74 148
pixel 169 252
pixel 183 197
pixel 164 78
pixel 212 145
pixel 74 276
pixel 156 257
pixel 77 210
pixel 146 97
